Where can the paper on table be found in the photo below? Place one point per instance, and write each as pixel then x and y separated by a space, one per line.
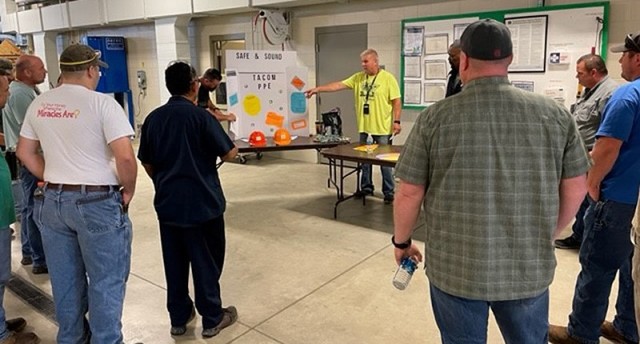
pixel 366 148
pixel 388 156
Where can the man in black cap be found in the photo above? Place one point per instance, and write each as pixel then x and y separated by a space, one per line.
pixel 89 172
pixel 613 184
pixel 499 171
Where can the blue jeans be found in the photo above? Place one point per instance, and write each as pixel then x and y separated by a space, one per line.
pixel 606 250
pixel 201 247
pixel 87 239
pixel 387 172
pixel 578 225
pixel 29 227
pixel 464 321
pixel 16 191
pixel 5 274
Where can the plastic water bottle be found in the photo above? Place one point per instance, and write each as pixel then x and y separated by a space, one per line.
pixel 369 143
pixel 403 275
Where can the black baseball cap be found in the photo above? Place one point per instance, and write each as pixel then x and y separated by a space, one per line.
pixel 486 39
pixel 631 43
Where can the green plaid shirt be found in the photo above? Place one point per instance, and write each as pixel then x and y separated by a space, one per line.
pixel 492 158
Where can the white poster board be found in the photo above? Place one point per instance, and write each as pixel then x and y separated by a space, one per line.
pixel 265 90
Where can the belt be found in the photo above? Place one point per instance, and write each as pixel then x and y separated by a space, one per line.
pixel 87 188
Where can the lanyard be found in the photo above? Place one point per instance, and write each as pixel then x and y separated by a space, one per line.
pixel 369 88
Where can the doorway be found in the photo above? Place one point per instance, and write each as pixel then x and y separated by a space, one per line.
pixel 338 51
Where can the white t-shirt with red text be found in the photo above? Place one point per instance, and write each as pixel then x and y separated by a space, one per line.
pixel 75 126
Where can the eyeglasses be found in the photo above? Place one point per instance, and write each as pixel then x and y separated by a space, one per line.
pixel 631 44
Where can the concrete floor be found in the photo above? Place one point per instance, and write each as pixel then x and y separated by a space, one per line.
pixel 296 275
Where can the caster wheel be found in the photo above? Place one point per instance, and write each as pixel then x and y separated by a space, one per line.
pixel 259 156
pixel 242 160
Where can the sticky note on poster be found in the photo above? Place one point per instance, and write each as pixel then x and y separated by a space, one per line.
pixel 233 99
pixel 251 104
pixel 298 102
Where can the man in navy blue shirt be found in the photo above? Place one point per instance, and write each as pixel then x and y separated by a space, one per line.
pixel 179 145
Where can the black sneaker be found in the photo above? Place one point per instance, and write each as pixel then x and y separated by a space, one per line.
pixel 39 270
pixel 26 260
pixel 15 325
pixel 569 243
pixel 388 199
pixel 363 193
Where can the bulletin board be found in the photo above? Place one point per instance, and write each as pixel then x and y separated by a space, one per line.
pixel 265 90
pixel 547 41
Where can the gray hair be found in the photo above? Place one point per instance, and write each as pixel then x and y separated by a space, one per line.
pixel 371 52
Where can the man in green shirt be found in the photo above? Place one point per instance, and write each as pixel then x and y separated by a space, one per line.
pixel 378 106
pixel 499 172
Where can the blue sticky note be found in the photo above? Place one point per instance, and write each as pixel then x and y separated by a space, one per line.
pixel 233 99
pixel 298 102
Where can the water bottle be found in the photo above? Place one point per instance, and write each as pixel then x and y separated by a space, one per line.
pixel 403 275
pixel 369 142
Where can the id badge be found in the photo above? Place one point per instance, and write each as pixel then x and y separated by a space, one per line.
pixel 365 109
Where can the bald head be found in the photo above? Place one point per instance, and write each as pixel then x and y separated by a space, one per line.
pixel 30 70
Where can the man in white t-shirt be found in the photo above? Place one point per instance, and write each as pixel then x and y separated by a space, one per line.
pixel 89 170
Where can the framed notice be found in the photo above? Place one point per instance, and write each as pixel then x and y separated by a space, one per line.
pixel 434 91
pixel 435 69
pixel 412 92
pixel 529 36
pixel 413 40
pixel 436 44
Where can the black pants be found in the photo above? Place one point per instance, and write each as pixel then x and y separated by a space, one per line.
pixel 203 248
pixel 12 161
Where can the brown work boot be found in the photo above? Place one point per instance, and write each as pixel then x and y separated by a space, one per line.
pixel 560 335
pixel 608 331
pixel 21 338
pixel 229 317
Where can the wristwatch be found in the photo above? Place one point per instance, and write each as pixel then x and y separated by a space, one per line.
pixel 400 245
pixel 396 121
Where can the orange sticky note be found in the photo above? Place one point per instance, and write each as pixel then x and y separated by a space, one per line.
pixel 299 124
pixel 274 119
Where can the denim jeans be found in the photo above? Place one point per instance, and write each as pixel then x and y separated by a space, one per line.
pixel 464 321
pixel 606 250
pixel 29 227
pixel 16 191
pixel 87 239
pixel 636 275
pixel 202 247
pixel 578 225
pixel 5 274
pixel 387 172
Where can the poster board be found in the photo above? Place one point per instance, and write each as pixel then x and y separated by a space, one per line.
pixel 265 90
pixel 547 41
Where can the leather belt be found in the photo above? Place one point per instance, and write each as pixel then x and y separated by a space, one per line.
pixel 87 188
